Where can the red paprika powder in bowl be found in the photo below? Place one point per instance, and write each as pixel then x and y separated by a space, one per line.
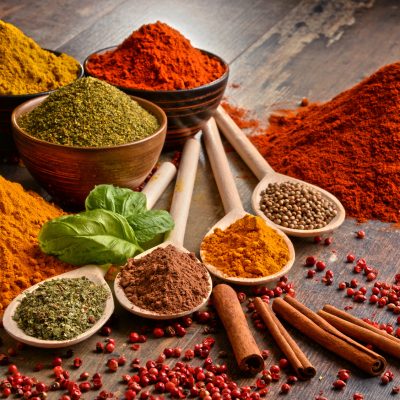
pixel 158 63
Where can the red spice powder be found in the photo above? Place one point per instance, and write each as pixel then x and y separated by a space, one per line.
pixel 241 116
pixel 349 145
pixel 156 57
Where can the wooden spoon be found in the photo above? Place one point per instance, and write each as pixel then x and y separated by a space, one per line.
pixel 264 172
pixel 153 190
pixel 92 272
pixel 157 184
pixel 232 205
pixel 179 210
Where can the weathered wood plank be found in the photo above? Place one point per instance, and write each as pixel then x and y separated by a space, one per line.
pixel 52 23
pixel 279 52
pixel 227 30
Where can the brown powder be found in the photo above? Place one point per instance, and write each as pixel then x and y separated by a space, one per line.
pixel 166 281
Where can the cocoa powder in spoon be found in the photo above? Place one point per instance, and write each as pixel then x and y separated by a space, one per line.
pixel 166 281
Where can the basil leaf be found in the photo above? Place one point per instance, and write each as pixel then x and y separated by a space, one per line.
pixel 122 201
pixel 91 237
pixel 150 223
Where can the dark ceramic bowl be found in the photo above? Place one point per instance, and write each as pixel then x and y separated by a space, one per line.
pixel 8 151
pixel 69 173
pixel 187 109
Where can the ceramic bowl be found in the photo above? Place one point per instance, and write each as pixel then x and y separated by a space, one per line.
pixel 187 109
pixel 69 173
pixel 8 150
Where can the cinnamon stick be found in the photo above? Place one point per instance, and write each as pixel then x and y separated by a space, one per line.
pixel 288 346
pixel 361 330
pixel 230 312
pixel 323 333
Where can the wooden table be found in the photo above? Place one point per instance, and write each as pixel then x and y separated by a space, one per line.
pixel 279 51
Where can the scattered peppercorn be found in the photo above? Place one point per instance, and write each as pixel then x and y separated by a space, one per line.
pixel 310 261
pixel 320 265
pixel 360 235
pixel 285 388
pixel 339 384
pixel 311 273
pixel 112 364
pixel 317 239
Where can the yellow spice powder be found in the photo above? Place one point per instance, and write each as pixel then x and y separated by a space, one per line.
pixel 247 249
pixel 26 68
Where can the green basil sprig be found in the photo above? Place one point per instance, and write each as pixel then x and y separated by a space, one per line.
pixel 115 227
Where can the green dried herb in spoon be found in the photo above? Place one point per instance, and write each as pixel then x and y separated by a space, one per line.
pixel 61 309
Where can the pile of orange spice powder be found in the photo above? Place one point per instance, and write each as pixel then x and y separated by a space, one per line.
pixel 156 57
pixel 349 145
pixel 22 263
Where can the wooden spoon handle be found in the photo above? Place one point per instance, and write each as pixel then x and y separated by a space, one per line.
pixel 242 144
pixel 157 184
pixel 183 190
pixel 221 170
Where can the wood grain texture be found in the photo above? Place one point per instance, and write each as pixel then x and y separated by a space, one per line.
pixel 279 52
pixel 52 23
pixel 226 28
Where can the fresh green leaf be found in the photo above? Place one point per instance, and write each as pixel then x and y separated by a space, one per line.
pixel 91 237
pixel 122 201
pixel 150 223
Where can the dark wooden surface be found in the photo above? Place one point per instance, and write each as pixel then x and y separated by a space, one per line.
pixel 279 51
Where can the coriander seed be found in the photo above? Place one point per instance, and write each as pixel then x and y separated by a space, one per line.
pixel 296 206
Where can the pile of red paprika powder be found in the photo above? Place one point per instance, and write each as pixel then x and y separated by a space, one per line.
pixel 155 57
pixel 349 145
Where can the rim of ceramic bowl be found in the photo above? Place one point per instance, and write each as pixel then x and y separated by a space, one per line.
pixel 39 100
pixel 38 94
pixel 223 77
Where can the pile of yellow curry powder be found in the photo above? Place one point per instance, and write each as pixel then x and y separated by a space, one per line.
pixel 26 68
pixel 248 248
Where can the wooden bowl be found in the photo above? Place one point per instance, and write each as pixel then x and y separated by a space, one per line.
pixel 187 109
pixel 69 173
pixel 8 151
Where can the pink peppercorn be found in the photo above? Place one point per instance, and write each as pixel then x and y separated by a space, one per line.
pixel 285 388
pixel 339 384
pixel 320 265
pixel 310 261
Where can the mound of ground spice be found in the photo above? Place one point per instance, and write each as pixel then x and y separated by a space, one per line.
pixel 89 112
pixel 248 248
pixel 22 263
pixel 166 281
pixel 27 68
pixel 155 57
pixel 349 145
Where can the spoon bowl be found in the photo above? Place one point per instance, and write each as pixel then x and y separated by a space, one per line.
pixel 134 309
pixel 93 273
pixel 336 221
pixel 228 220
pixel 264 172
